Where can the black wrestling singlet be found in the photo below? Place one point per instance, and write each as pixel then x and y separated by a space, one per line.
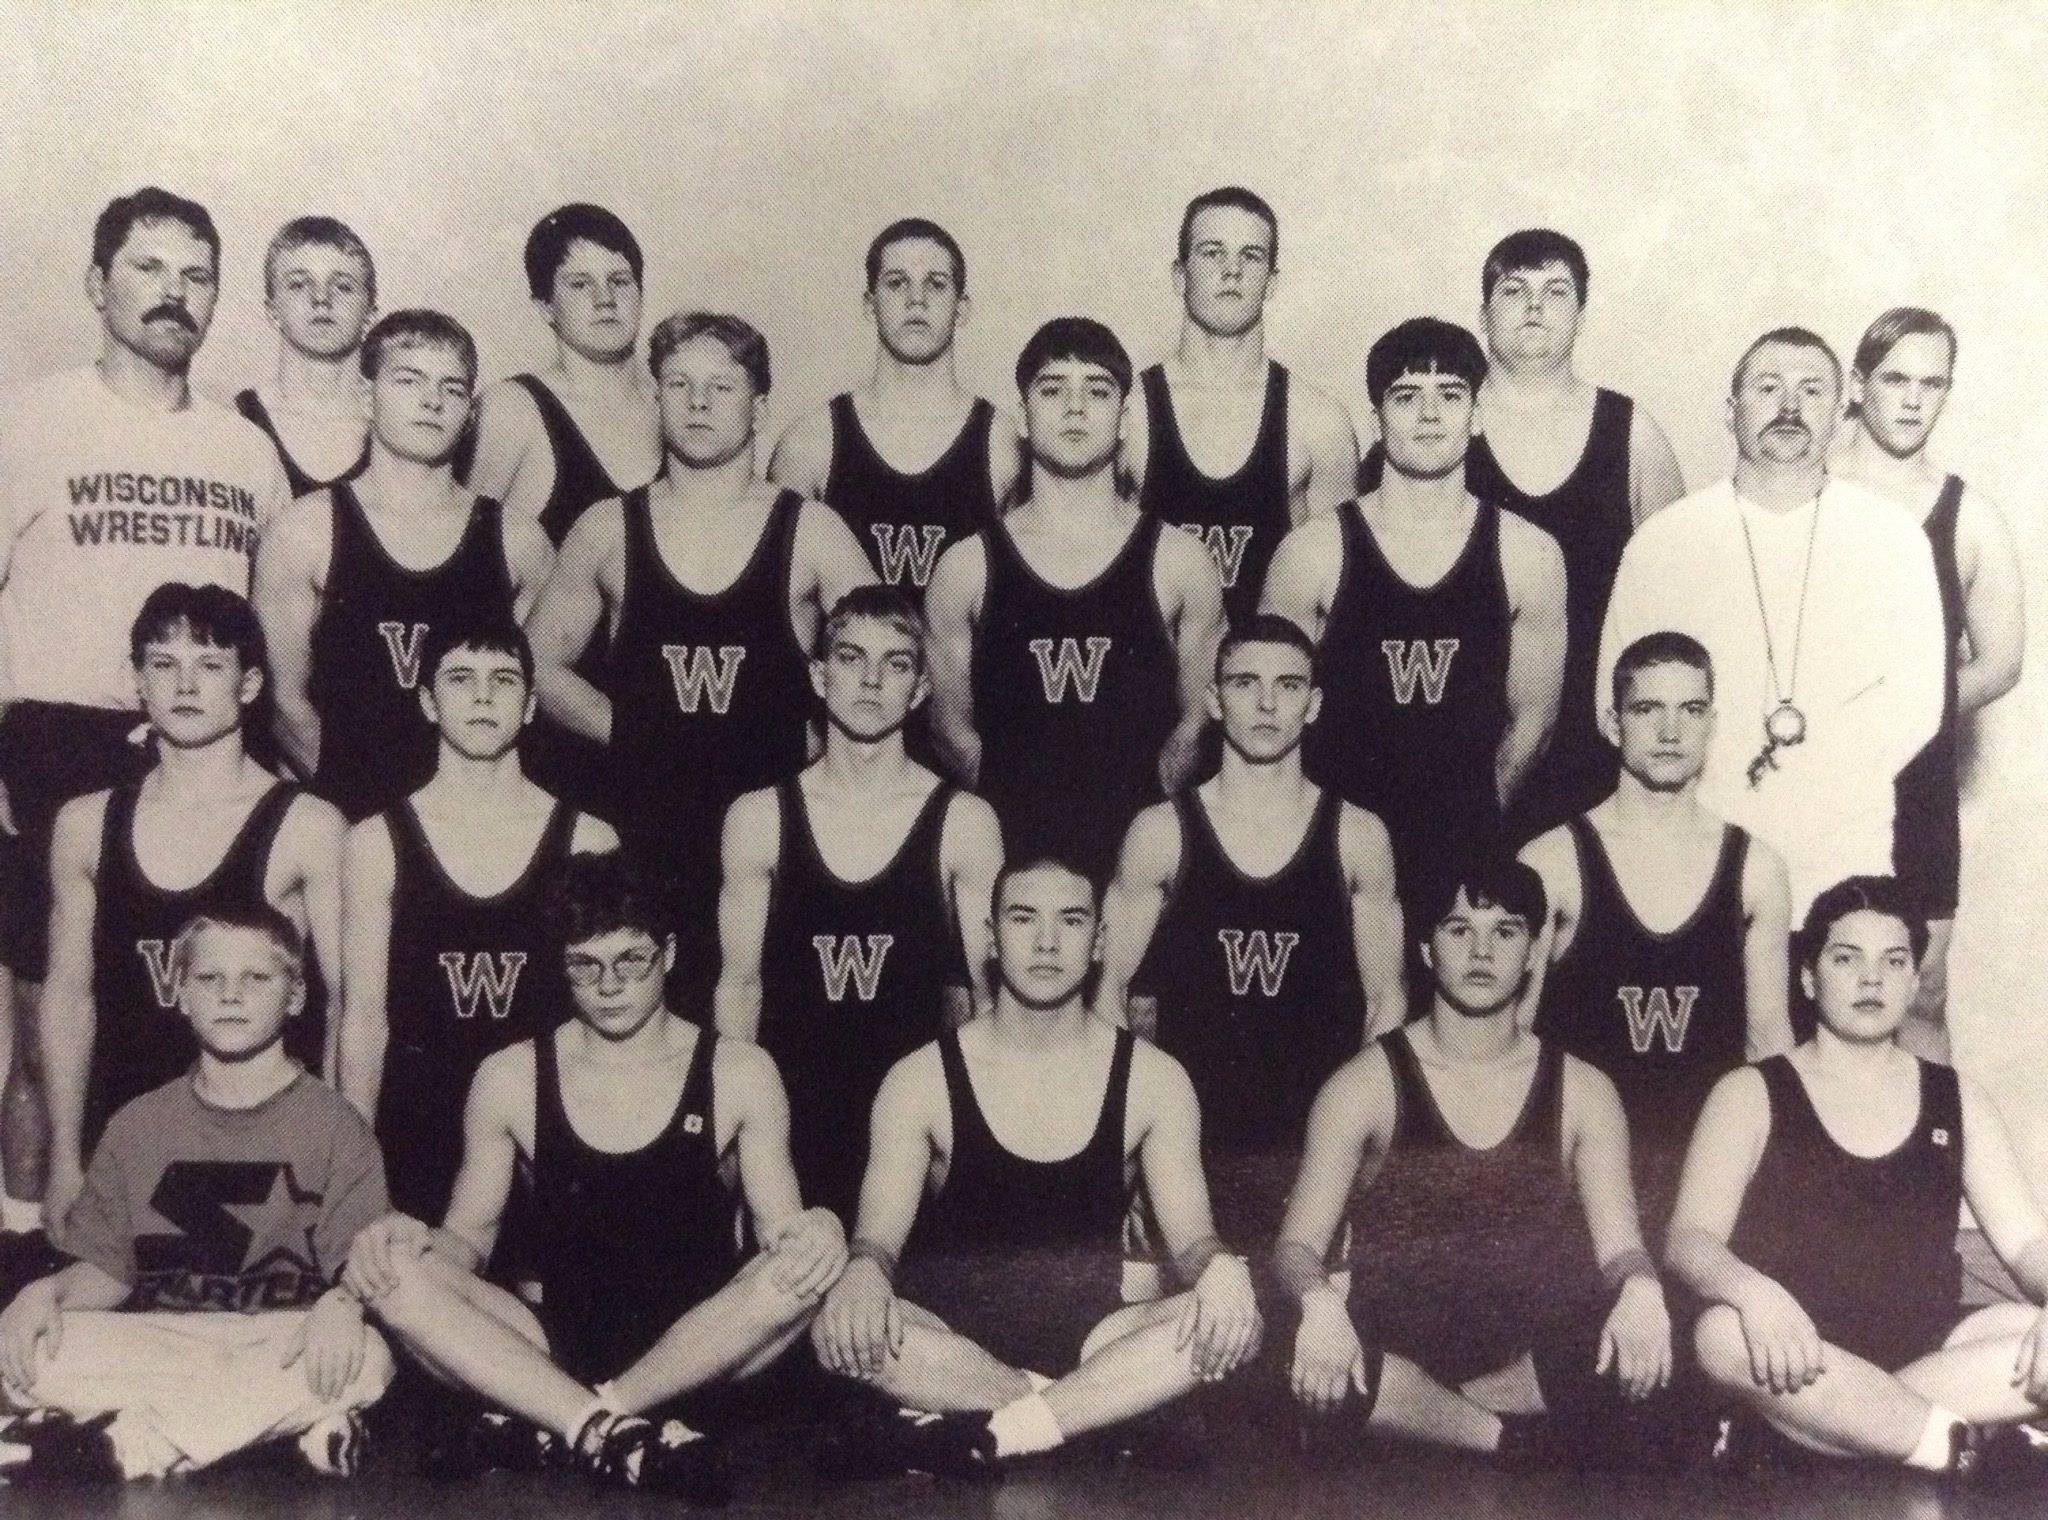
pixel 1241 517
pixel 1927 830
pixel 852 979
pixel 250 405
pixel 1866 1244
pixel 1414 686
pixel 376 744
pixel 580 477
pixel 626 1242
pixel 1664 1015
pixel 1260 998
pixel 467 977
pixel 141 1040
pixel 1075 694
pixel 905 521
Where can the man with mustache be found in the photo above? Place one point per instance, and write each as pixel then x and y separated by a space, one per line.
pixel 114 478
pixel 1816 600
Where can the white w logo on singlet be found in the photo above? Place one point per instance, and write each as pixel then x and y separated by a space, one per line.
pixel 1647 1017
pixel 156 955
pixel 911 547
pixel 699 674
pixel 484 976
pixel 1226 546
pixel 402 641
pixel 1058 671
pixel 844 958
pixel 1411 662
pixel 1244 954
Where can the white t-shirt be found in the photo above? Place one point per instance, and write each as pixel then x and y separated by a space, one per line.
pixel 1871 661
pixel 102 500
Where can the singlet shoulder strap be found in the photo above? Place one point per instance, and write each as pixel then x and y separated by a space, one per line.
pixel 1108 1138
pixel 1414 1113
pixel 251 406
pixel 1542 1118
pixel 551 1133
pixel 699 1097
pixel 1273 418
pixel 847 433
pixel 117 831
pixel 796 822
pixel 642 554
pixel 1790 1111
pixel 1162 428
pixel 1728 871
pixel 265 822
pixel 408 839
pixel 1949 503
pixel 563 434
pixel 1941 1102
pixel 967 1119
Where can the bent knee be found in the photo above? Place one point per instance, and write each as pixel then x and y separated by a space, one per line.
pixel 1720 1347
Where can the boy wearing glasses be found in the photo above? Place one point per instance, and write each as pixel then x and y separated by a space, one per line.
pixel 631 1120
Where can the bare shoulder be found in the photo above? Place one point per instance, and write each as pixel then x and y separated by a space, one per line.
pixel 504 1080
pixel 1153 844
pixel 742 1069
pixel 753 827
pixel 368 857
pixel 1551 853
pixel 914 1084
pixel 592 836
pixel 961 573
pixel 803 455
pixel 316 820
pixel 1362 833
pixel 304 527
pixel 1522 541
pixel 1320 412
pixel 970 820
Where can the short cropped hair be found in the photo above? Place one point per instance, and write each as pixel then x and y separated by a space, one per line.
pixel 1038 860
pixel 1243 200
pixel 317 232
pixel 913 229
pixel 1265 628
pixel 893 605
pixel 492 630
pixel 206 614
pixel 1487 880
pixel 1081 338
pixel 124 213
pixel 1423 346
pixel 1530 249
pixel 257 918
pixel 1665 647
pixel 417 327
pixel 741 338
pixel 1792 337
pixel 548 244
pixel 1860 894
pixel 596 895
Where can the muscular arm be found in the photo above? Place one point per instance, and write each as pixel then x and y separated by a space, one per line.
pixel 1554 859
pixel 291 565
pixel 312 841
pixel 749 1084
pixel 971 850
pixel 1005 457
pixel 1596 1144
pixel 363 1030
pixel 529 557
pixel 568 612
pixel 1726 1145
pixel 1534 570
pixel 68 1018
pixel 1303 574
pixel 1376 925
pixel 752 844
pixel 1654 479
pixel 835 559
pixel 1994 605
pixel 900 1148
pixel 513 462
pixel 1332 446
pixel 1195 594
pixel 1170 1151
pixel 1353 1117
pixel 1999 1195
pixel 952 604
pixel 802 460
pixel 500 1097
pixel 1766 955
pixel 1130 913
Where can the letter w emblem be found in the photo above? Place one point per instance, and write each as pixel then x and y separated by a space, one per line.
pixel 1226 547
pixel 1654 1015
pixel 402 642
pixel 700 675
pixel 847 958
pixel 156 955
pixel 484 977
pixel 1412 663
pixel 1257 952
pixel 1068 668
pixel 907 548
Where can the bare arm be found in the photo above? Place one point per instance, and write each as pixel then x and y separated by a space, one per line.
pixel 513 463
pixel 500 1097
pixel 68 1018
pixel 1596 1142
pixel 1195 594
pixel 1534 570
pixel 752 844
pixel 1170 1152
pixel 1766 951
pixel 972 850
pixel 1303 575
pixel 312 840
pixel 836 559
pixel 568 612
pixel 1332 446
pixel 900 1148
pixel 802 460
pixel 1994 605
pixel 751 1088
pixel 1130 913
pixel 363 1031
pixel 952 604
pixel 1654 479
pixel 1726 1145
pixel 1999 1194
pixel 1554 859
pixel 1353 1115
pixel 1005 457
pixel 529 557
pixel 1376 924
pixel 291 566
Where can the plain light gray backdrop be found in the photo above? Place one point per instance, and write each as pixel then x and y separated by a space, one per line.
pixel 1729 167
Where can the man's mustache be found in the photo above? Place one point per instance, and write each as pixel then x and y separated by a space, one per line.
pixel 176 313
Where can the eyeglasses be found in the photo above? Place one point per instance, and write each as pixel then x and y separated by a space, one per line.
pixel 626 966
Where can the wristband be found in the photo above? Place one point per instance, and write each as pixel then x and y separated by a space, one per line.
pixel 1191 1263
pixel 1634 1262
pixel 867 1250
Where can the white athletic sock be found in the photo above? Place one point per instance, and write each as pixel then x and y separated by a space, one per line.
pixel 19 1216
pixel 1025 1425
pixel 1932 1454
pixel 597 1406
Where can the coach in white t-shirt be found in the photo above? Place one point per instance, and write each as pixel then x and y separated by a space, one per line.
pixel 114 478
